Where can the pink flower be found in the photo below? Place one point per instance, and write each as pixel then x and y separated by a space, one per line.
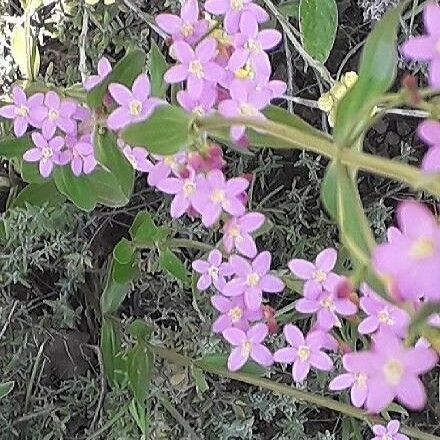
pixel 390 432
pixel 251 44
pixel 187 27
pixel 245 101
pixel 166 165
pixel 252 279
pixel 213 271
pixel 24 111
pixel 247 345
pixel 303 353
pixel 237 233
pixel 356 377
pixel 184 190
pixel 104 69
pixel 135 104
pixel 427 47
pixel 318 276
pixel 215 194
pixel 196 66
pixel 80 154
pixel 46 152
pixel 138 158
pixel 233 10
pixel 58 114
pixel 429 131
pixel 415 270
pixel 210 158
pixel 394 371
pixel 382 315
pixel 200 106
pixel 234 313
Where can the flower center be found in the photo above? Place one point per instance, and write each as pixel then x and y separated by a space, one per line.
pixel 423 248
pixel 246 348
pixel 245 73
pixel 384 316
pixel 327 303
pixel 253 46
pixel 47 152
pixel 393 371
pixel 235 314
pixel 319 276
pixel 253 279
pixel 135 107
pixel 303 352
pixel 196 68
pixel 53 114
pixel 387 437
pixel 218 196
pixel 198 111
pixel 187 30
pixel 21 111
pixel 361 380
pixel 222 37
pixel 234 232
pixel 189 188
pixel 170 161
pixel 237 5
pixel 213 272
pixel 247 110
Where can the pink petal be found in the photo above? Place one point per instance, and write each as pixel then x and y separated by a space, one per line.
pixel 293 335
pixel 121 94
pixel 221 323
pixel 118 119
pixel 235 336
pixel 176 74
pixel 246 246
pixel 261 263
pixel 236 186
pixel 272 284
pixel 171 185
pixel 341 382
pixel 301 268
pixel 253 298
pixel 419 48
pixel 431 160
pixel 215 257
pixel 368 325
pixel 46 167
pixel 190 11
pixel 300 370
pixel 7 111
pixel 393 426
pixel 429 131
pixel 221 303
pixel 141 87
pixel 252 221
pixel 305 305
pixel 20 126
pixel 257 333
pixel 262 355
pixel 236 359
pixel 195 86
pixel 238 59
pixel 200 266
pixel 285 355
pixel 19 95
pixel 32 155
pixel 204 282
pixel 321 361
pixel 179 206
pixel 205 50
pixel 183 52
pixel 269 38
pixel 233 288
pixel 420 360
pixel 380 395
pixel 413 217
pixel 434 73
pixel 358 395
pixel 326 259
pixel 431 17
pixel 217 7
pixel 170 23
pixel 411 393
pixel 240 265
pixel 52 100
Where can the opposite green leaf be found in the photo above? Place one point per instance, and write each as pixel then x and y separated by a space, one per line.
pixel 38 194
pixel 165 132
pixel 173 265
pixel 157 68
pixel 140 369
pixel 11 147
pixel 318 22
pixel 377 72
pixel 123 252
pixel 124 72
pixel 6 388
pixel 143 230
pixel 110 347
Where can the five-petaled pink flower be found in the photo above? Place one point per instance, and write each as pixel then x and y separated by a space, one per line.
pixel 196 66
pixel 303 353
pixel 390 432
pixel 138 158
pixel 234 313
pixel 381 315
pixel 415 271
pixel 252 279
pixel 188 26
pixel 318 276
pixel 46 152
pixel 245 102
pixel 233 11
pixel 247 345
pixel 58 114
pixel 215 194
pixel 166 165
pixel 427 47
pixel 393 372
pixel 135 105
pixel 237 233
pixel 24 111
pixel 104 69
pixel 213 271
pixel 429 131
pixel 356 377
pixel 200 106
pixel 80 154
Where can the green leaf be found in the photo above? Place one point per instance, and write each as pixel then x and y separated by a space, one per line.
pixel 109 155
pixel 219 360
pixel 123 252
pixel 290 8
pixel 140 369
pixel 140 330
pixel 11 147
pixel 328 190
pixel 143 231
pixel 165 132
pixel 124 273
pixel 29 172
pixel 199 379
pixel 6 388
pixel 171 263
pixel 377 72
pixel 157 69
pixel 124 72
pixel 113 296
pixel 107 189
pixel 110 347
pixel 318 23
pixel 38 194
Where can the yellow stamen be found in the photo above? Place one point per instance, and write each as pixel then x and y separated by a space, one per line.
pixel 246 348
pixel 361 380
pixel 196 68
pixel 237 4
pixel 187 30
pixel 253 46
pixel 327 303
pixel 319 276
pixel 47 152
pixel 218 196
pixel 393 371
pixel 235 314
pixel 189 187
pixel 422 248
pixel 53 114
pixel 253 279
pixel 213 272
pixel 303 352
pixel 21 111
pixel 247 110
pixel 384 316
pixel 135 107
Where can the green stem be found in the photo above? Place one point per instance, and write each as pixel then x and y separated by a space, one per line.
pixel 283 389
pixel 190 244
pixel 295 138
